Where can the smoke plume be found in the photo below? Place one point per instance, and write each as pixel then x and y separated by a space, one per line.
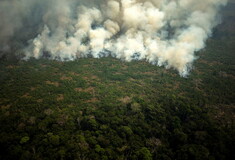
pixel 162 32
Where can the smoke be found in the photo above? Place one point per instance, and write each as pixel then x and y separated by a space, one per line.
pixel 162 32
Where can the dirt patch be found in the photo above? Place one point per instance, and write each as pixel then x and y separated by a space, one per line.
pixel 56 84
pixel 198 83
pixel 125 100
pixel 48 111
pixel 224 114
pixel 91 117
pixel 90 90
pixel 86 65
pixel 91 78
pixel 6 106
pixel 176 86
pixel 71 105
pixel 7 114
pixel 74 74
pixel 124 67
pixel 43 65
pixel 21 125
pixel 11 67
pixel 198 72
pixel 60 97
pixel 94 77
pixel 86 78
pixel 66 78
pixel 211 63
pixel 216 63
pixel 26 95
pixel 93 100
pixel 226 75
pixel 40 100
pixel 148 73
pixel 117 73
pixel 62 119
pixel 33 88
pixel 32 120
pixel 131 79
pixel 78 89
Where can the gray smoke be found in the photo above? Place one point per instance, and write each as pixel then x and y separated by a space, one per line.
pixel 162 32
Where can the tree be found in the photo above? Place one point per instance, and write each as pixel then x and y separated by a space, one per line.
pixel 144 154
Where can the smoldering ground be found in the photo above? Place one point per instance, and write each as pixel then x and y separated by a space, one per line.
pixel 162 32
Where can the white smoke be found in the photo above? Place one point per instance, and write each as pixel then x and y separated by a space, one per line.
pixel 162 32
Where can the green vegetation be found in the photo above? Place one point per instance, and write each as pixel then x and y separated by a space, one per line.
pixel 108 109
